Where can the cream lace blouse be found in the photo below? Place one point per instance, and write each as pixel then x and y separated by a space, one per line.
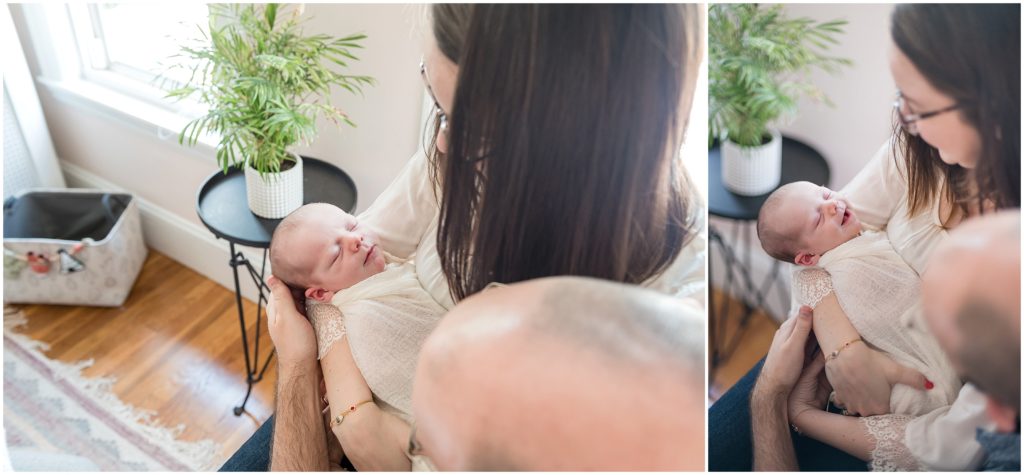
pixel 942 439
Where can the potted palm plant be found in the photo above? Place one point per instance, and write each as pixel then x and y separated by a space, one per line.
pixel 759 66
pixel 265 83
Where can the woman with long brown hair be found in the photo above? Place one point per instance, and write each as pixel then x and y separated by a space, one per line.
pixel 555 152
pixel 955 153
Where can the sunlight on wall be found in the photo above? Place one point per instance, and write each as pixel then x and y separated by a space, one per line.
pixel 695 147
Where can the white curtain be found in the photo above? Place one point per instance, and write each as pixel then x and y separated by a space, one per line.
pixel 19 172
pixel 29 157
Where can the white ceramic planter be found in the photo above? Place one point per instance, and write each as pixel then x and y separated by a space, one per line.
pixel 276 194
pixel 752 171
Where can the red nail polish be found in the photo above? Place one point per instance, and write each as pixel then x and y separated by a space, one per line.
pixel 928 384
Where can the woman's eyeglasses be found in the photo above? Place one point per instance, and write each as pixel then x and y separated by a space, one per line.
pixel 442 118
pixel 909 120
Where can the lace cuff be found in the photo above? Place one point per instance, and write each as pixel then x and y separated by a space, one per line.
pixel 329 325
pixel 890 453
pixel 811 285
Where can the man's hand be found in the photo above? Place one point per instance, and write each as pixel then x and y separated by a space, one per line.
pixel 300 440
pixel 785 360
pixel 863 379
pixel 773 447
pixel 810 391
pixel 291 333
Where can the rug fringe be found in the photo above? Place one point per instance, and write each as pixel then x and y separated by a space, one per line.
pixel 200 455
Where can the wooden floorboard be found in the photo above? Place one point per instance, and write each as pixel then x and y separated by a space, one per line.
pixel 174 348
pixel 752 345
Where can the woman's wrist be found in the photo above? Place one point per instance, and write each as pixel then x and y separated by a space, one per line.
pixel 355 422
pixel 831 326
pixel 798 415
pixel 831 356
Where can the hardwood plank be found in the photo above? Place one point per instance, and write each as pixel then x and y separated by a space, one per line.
pixel 752 346
pixel 174 348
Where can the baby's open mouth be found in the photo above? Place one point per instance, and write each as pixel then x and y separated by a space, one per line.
pixel 846 217
pixel 368 254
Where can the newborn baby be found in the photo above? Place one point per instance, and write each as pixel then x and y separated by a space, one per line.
pixel 353 287
pixel 813 227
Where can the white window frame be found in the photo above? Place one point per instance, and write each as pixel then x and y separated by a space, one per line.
pixel 56 31
pixel 90 46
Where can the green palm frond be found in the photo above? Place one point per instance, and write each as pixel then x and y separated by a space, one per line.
pixel 266 83
pixel 759 66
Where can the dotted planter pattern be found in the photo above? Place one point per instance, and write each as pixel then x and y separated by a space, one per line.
pixel 752 171
pixel 275 195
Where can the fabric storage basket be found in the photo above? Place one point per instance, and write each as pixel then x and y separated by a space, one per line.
pixel 71 247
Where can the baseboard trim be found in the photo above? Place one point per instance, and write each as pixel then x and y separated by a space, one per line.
pixel 191 245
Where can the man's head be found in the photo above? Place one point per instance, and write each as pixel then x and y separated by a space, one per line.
pixel 322 249
pixel 971 293
pixel 801 221
pixel 564 373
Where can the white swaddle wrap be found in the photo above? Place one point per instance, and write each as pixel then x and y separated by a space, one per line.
pixel 387 318
pixel 880 294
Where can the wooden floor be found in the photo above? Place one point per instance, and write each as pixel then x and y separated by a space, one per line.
pixel 175 348
pixel 752 345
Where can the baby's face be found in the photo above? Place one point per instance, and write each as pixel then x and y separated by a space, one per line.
pixel 817 217
pixel 335 251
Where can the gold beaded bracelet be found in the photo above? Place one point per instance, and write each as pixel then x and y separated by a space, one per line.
pixel 835 353
pixel 341 417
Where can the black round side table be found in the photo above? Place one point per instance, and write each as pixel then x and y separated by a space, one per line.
pixel 222 207
pixel 800 162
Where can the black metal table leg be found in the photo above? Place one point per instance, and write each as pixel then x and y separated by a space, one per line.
pixel 252 376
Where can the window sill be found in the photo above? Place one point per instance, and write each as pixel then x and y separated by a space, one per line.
pixel 146 117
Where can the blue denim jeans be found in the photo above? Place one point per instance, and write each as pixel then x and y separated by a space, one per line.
pixel 254 454
pixel 730 447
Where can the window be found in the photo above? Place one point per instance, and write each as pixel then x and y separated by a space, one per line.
pixel 129 46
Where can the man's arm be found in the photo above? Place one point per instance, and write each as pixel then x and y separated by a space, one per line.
pixel 773 446
pixel 300 442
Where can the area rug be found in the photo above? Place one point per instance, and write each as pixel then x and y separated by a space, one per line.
pixel 49 407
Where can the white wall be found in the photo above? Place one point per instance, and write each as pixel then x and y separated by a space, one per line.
pixel 851 132
pixel 112 151
pixel 848 134
pixel 387 116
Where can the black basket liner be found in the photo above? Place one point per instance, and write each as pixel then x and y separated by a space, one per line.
pixel 65 216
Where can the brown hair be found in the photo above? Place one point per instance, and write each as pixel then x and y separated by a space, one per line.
pixel 563 141
pixel 282 267
pixel 775 243
pixel 972 54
